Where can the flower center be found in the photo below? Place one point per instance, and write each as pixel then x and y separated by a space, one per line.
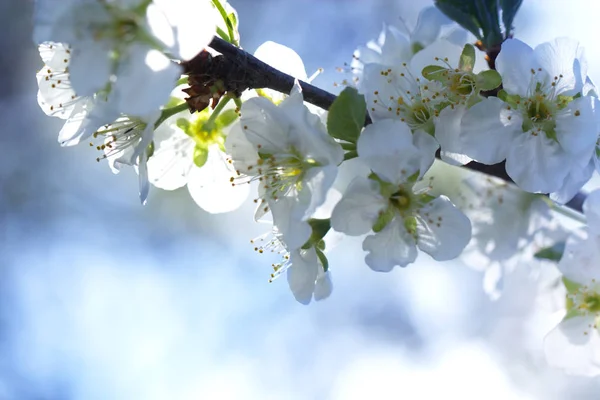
pixel 586 299
pixel 402 199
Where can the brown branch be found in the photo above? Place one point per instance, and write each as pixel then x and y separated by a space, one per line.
pixel 237 70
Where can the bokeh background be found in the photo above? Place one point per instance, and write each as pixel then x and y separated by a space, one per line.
pixel 102 298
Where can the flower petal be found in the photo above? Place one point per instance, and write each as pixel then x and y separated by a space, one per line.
pixel 581 257
pixel 429 26
pixel 567 347
pixel 447 133
pixel 514 63
pixel 210 185
pixel 387 147
pixel 324 286
pixel 573 183
pixel 488 129
pixel 390 247
pixel 564 58
pixel 591 209
pixel 443 230
pixel 172 160
pixel 302 274
pixel 536 163
pixel 359 208
pixel 288 218
pixel 577 128
pixel 317 182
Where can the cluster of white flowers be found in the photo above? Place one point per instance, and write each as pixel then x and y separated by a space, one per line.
pixel 112 72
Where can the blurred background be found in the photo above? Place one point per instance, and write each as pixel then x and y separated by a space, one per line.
pixel 102 298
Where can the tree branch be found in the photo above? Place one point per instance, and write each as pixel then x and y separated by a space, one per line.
pixel 238 70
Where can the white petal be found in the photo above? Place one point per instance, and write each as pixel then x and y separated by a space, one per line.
pixel 143 183
pixel 447 133
pixel 317 182
pixel 359 208
pixel 581 258
pixel 302 274
pixel 514 63
pixel 265 126
pixel 488 129
pixel 87 116
pixel 395 47
pixel 173 157
pixel 573 183
pixel 591 209
pixel 194 23
pixel 282 58
pixel 387 148
pixel 577 128
pixel 564 58
pixel 383 85
pixel 242 151
pixel 537 164
pixel 90 66
pixel 567 347
pixel 324 286
pixel 443 230
pixel 211 188
pixel 288 218
pixel 390 247
pixel 429 26
pixel 427 146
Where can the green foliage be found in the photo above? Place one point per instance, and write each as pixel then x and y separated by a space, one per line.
pixel 346 116
pixel 482 17
pixel 322 259
pixel 488 80
pixel 319 227
pixel 435 73
pixel 552 253
pixel 467 58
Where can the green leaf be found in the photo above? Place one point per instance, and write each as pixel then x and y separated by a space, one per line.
pixel 435 73
pixel 350 155
pixel 150 149
pixel 552 253
pixel 348 146
pixel 384 218
pixel 200 156
pixel 233 20
pixel 488 80
pixel 462 13
pixel 467 58
pixel 346 116
pixel 509 10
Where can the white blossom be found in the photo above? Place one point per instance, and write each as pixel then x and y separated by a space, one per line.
pixel 396 46
pixel 125 142
pixel 387 203
pixel 113 50
pixel 574 345
pixel 509 227
pixel 287 149
pixel 180 145
pixel 545 129
pixel 306 274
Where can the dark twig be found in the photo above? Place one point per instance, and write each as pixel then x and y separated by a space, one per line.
pixel 244 71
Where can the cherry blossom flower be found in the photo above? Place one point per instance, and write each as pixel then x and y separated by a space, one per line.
pixel 287 150
pixel 544 128
pixel 574 345
pixel 401 217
